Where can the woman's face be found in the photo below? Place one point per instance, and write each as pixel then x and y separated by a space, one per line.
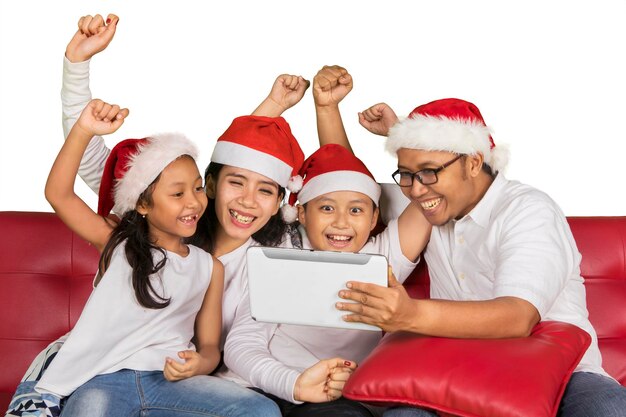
pixel 244 201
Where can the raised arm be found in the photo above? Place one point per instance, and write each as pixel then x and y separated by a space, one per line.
pixel 330 85
pixel 378 119
pixel 97 118
pixel 208 328
pixel 286 92
pixel 92 36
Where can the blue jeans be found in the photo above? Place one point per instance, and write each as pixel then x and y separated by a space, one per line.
pixel 128 393
pixel 586 395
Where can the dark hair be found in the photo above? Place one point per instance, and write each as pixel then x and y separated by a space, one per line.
pixel 133 228
pixel 271 234
pixel 485 167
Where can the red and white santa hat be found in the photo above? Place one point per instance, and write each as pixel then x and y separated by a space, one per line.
pixel 264 145
pixel 133 165
pixel 451 125
pixel 331 168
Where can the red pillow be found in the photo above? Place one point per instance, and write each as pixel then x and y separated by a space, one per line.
pixel 472 377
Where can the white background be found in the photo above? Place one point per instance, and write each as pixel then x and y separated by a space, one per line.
pixel 548 76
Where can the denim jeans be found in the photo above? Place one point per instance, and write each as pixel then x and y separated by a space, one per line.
pixel 586 395
pixel 128 393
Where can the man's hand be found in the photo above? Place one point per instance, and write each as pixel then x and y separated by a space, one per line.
pixel 389 308
pixel 378 119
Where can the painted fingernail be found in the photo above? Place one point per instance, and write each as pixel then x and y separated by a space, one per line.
pixel 108 20
pixel 347 363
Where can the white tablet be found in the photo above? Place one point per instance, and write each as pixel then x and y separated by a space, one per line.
pixel 295 286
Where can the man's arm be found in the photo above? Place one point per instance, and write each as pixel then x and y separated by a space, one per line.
pixel 393 310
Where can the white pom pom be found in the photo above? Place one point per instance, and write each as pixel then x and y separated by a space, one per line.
pixel 289 213
pixel 295 184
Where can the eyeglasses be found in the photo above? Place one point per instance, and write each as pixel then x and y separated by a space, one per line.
pixel 425 176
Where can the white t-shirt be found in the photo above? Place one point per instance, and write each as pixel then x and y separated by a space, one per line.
pixel 272 356
pixel 516 242
pixel 115 332
pixel 75 95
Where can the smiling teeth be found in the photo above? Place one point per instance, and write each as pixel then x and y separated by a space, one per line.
pixel 430 204
pixel 339 237
pixel 240 218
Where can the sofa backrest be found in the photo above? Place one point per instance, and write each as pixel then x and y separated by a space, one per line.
pixel 46 275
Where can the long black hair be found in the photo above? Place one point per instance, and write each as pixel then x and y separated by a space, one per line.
pixel 133 228
pixel 271 234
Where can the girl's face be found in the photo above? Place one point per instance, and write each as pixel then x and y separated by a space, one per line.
pixel 339 221
pixel 244 201
pixel 178 201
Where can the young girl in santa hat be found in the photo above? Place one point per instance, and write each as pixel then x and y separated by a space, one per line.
pixel 154 292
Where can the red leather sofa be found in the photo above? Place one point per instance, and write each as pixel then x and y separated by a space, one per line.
pixel 46 273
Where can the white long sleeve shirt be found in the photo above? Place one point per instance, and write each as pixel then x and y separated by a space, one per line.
pixel 271 356
pixel 75 95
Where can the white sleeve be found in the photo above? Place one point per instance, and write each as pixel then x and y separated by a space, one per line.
pixel 75 95
pixel 387 243
pixel 247 354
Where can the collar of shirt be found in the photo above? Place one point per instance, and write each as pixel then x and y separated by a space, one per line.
pixel 481 213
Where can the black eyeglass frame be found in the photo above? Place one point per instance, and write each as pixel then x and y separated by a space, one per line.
pixel 419 174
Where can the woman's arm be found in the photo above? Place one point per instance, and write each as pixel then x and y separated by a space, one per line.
pixel 93 36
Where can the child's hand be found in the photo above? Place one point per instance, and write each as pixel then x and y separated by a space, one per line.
pixel 378 119
pixel 93 36
pixel 323 381
pixel 100 118
pixel 195 364
pixel 337 380
pixel 288 90
pixel 330 85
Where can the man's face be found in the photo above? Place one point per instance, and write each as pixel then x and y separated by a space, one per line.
pixel 453 195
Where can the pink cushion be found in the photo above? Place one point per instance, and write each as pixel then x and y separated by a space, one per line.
pixel 472 377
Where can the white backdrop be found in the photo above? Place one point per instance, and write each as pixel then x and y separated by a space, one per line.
pixel 548 76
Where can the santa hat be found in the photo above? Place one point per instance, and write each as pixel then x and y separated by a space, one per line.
pixel 133 165
pixel 331 168
pixel 451 125
pixel 264 145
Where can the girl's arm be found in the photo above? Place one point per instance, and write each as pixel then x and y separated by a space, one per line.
pixel 330 85
pixel 208 328
pixel 97 118
pixel 286 92
pixel 93 36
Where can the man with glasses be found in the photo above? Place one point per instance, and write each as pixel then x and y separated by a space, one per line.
pixel 501 255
